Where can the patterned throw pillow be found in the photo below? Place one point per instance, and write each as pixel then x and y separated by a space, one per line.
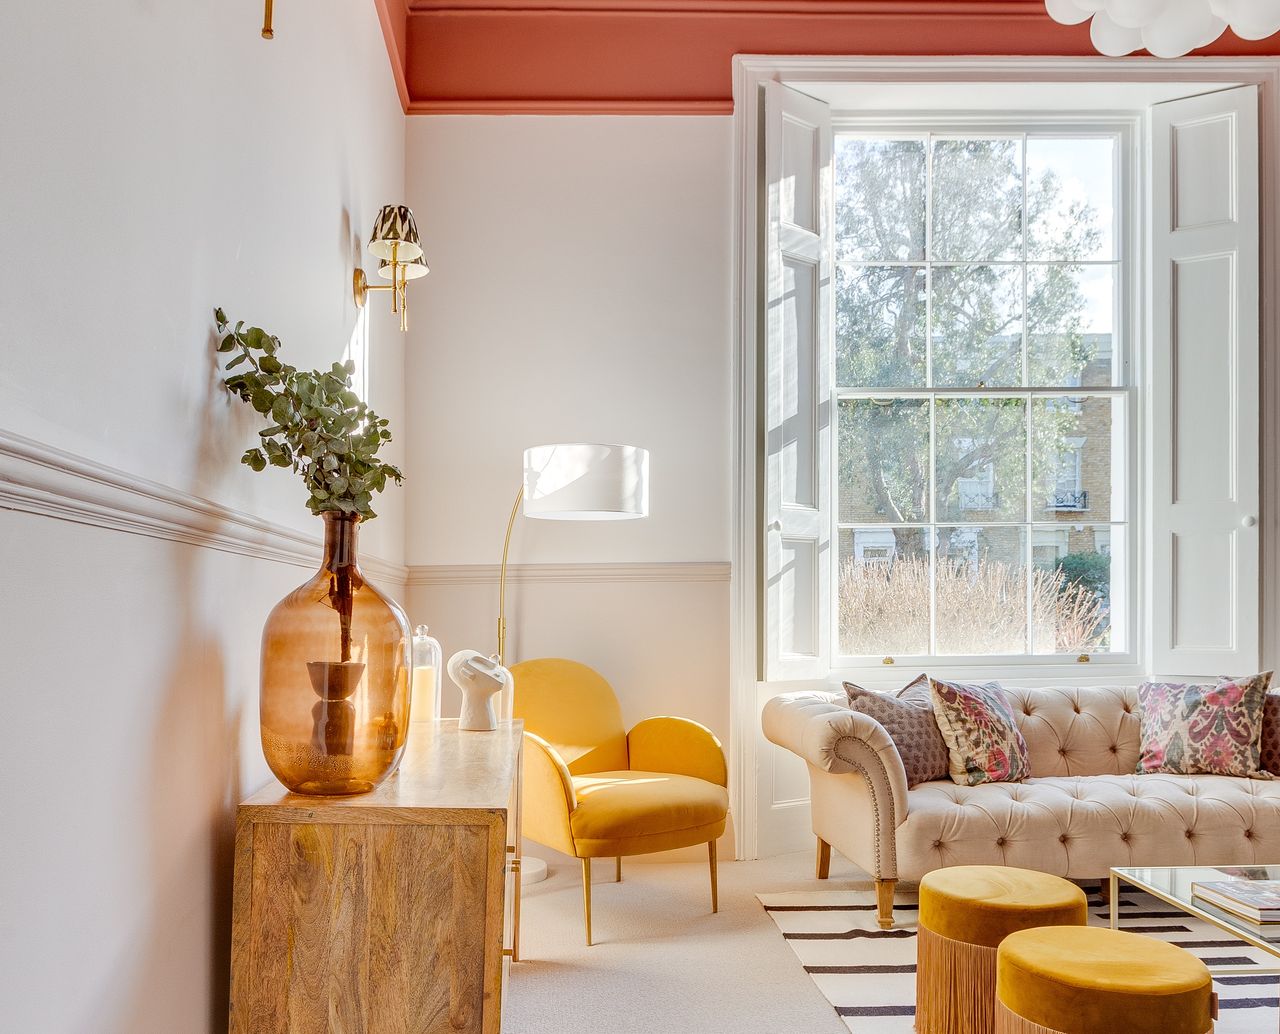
pixel 1269 744
pixel 1211 729
pixel 981 734
pixel 907 716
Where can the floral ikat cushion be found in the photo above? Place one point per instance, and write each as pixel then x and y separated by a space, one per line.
pixel 982 736
pixel 907 716
pixel 1210 729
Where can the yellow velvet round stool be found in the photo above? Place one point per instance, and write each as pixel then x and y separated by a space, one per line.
pixel 1082 980
pixel 965 912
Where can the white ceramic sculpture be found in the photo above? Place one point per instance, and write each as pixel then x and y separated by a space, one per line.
pixel 479 678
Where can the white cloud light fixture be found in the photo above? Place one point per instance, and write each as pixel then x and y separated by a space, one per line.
pixel 1167 28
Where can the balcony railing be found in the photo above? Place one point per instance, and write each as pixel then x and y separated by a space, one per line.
pixel 1068 501
pixel 978 499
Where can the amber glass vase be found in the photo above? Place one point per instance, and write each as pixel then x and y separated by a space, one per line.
pixel 336 658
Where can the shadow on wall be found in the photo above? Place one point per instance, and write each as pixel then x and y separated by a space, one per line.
pixel 195 785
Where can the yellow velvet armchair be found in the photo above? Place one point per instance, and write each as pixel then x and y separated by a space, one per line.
pixel 594 790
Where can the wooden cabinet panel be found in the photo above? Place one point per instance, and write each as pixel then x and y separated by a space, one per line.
pixel 382 914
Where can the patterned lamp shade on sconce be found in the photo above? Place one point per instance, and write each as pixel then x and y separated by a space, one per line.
pixel 395 241
pixel 395 235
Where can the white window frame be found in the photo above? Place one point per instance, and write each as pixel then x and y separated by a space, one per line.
pixel 1127 364
pixel 750 72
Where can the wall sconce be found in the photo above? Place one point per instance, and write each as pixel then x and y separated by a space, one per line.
pixel 395 241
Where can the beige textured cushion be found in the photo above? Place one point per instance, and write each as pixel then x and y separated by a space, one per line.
pixel 907 716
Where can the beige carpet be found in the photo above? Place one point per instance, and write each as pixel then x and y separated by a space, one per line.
pixel 662 963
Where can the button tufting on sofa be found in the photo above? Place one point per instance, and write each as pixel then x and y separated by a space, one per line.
pixel 1100 814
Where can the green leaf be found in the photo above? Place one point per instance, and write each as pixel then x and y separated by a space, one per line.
pixel 268 432
pixel 261 400
pixel 338 485
pixel 237 361
pixel 281 411
pixel 254 337
pixel 220 318
pixel 270 364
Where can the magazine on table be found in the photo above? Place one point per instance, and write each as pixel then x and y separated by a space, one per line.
pixel 1256 900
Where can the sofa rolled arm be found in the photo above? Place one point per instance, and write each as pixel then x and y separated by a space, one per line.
pixel 830 736
pixel 549 796
pixel 678 746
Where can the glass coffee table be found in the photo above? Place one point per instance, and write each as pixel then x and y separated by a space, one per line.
pixel 1172 885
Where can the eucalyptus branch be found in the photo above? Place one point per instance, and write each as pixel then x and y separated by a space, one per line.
pixel 320 428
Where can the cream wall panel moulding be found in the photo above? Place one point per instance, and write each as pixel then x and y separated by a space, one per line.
pixel 40 479
pixel 487 574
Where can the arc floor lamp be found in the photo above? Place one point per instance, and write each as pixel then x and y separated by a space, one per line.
pixel 576 481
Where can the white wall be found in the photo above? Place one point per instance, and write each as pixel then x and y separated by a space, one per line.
pixel 159 159
pixel 579 291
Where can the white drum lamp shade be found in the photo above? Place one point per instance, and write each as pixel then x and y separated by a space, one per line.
pixel 586 482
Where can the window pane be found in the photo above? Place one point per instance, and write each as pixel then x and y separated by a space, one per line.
pixel 880 200
pixel 880 320
pixel 981 591
pixel 981 455
pixel 1071 325
pixel 977 326
pixel 977 200
pixel 884 591
pixel 1070 191
pixel 1077 454
pixel 884 461
pixel 1075 588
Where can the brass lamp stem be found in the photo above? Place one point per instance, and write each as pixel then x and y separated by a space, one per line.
pixel 267 31
pixel 502 579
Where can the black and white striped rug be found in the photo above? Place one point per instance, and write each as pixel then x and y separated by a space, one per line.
pixel 869 974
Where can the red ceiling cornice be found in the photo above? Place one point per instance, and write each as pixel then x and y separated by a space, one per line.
pixel 673 56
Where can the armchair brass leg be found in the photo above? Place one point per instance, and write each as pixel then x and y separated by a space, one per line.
pixel 617 876
pixel 824 859
pixel 715 890
pixel 586 896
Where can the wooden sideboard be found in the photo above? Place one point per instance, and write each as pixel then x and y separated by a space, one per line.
pixel 392 912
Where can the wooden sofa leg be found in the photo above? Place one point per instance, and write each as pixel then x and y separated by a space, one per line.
pixel 1104 891
pixel 824 859
pixel 884 902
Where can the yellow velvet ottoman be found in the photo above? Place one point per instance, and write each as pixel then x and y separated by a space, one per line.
pixel 966 911
pixel 1083 980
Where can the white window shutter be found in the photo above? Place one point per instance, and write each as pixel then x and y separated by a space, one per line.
pixel 797 534
pixel 1204 405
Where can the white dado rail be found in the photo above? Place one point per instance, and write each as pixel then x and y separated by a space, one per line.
pixel 40 479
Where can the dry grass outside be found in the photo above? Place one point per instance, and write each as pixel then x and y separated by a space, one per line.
pixel 982 609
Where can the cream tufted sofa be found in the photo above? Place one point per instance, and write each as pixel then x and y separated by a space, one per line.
pixel 1081 811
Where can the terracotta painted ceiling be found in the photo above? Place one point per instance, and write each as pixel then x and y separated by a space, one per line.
pixel 673 56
